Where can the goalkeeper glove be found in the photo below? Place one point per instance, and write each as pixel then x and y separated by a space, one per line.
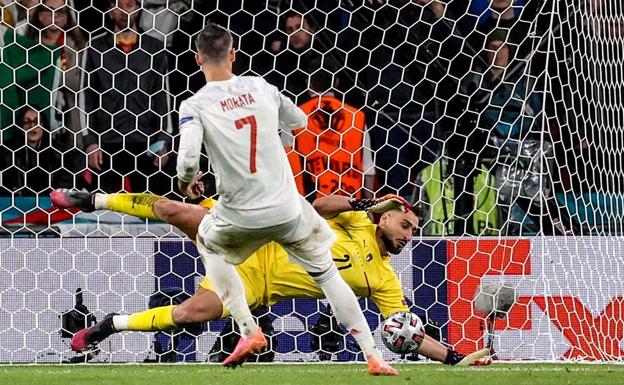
pixel 381 205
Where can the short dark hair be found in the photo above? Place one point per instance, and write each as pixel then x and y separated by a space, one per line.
pixel 214 42
pixel 307 18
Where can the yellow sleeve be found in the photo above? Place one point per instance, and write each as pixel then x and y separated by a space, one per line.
pixel 350 219
pixel 389 297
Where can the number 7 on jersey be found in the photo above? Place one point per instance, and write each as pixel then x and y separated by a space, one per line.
pixel 251 122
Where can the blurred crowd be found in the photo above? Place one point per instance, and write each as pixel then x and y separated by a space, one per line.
pixel 448 103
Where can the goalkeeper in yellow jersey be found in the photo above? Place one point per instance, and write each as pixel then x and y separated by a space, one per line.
pixel 361 253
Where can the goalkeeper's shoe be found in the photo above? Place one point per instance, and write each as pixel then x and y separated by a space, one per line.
pixel 378 367
pixel 65 199
pixel 245 347
pixel 87 339
pixel 479 358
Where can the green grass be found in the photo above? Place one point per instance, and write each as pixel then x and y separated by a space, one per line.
pixel 204 374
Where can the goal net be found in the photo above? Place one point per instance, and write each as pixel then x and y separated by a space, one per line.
pixel 500 120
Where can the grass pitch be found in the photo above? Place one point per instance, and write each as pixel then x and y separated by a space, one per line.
pixel 332 374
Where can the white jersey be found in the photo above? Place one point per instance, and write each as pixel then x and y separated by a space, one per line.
pixel 239 122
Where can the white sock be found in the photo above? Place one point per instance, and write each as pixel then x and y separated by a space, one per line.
pixel 120 322
pixel 101 201
pixel 228 286
pixel 347 309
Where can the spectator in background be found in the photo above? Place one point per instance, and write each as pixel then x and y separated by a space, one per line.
pixel 55 19
pixel 333 151
pixel 510 106
pixel 510 123
pixel 408 55
pixel 161 18
pixel 129 132
pixel 27 70
pixel 7 17
pixel 514 16
pixel 496 13
pixel 31 164
pixel 295 57
pixel 15 12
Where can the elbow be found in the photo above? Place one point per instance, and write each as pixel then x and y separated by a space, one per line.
pixel 320 207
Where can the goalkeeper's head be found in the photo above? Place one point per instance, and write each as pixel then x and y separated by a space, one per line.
pixel 397 227
pixel 215 46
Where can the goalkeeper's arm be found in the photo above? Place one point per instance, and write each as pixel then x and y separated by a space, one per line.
pixel 331 206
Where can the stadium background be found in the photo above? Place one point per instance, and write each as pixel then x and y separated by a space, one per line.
pixel 476 152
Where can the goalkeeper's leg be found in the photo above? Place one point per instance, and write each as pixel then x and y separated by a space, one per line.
pixel 216 241
pixel 203 306
pixel 308 239
pixel 184 216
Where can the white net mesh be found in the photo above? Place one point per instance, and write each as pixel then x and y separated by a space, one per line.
pixel 502 120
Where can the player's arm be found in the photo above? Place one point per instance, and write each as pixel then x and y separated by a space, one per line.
pixel 333 205
pixel 191 135
pixel 291 117
pixel 368 166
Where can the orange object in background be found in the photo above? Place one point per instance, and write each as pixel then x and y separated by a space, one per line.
pixel 328 154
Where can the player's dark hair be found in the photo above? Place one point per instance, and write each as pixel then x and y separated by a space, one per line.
pixel 213 43
pixel 307 19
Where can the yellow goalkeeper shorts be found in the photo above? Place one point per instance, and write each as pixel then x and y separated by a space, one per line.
pixel 268 277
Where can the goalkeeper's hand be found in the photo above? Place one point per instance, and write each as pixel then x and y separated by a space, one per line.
pixel 381 205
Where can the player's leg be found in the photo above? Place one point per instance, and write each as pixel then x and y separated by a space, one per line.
pixel 203 306
pixel 216 241
pixel 349 314
pixel 184 216
pixel 312 252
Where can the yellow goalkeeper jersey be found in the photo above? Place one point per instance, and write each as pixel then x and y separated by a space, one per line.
pixel 269 276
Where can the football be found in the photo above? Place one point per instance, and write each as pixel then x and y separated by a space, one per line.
pixel 403 332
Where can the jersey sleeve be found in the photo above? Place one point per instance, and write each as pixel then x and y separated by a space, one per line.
pixel 191 138
pixel 291 117
pixel 389 297
pixel 367 155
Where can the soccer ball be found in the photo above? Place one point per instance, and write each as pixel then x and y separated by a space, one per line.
pixel 403 332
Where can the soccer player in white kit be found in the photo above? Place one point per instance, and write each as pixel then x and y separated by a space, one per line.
pixel 238 119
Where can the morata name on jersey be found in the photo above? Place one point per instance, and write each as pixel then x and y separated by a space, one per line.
pixel 237 102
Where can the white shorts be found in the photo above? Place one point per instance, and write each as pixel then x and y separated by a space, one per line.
pixel 307 239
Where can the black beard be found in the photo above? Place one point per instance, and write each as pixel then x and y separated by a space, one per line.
pixel 390 245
